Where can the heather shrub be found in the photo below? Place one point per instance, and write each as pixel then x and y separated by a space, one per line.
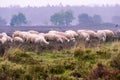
pixel 20 56
pixel 115 62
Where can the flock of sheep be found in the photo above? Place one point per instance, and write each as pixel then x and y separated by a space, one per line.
pixel 55 37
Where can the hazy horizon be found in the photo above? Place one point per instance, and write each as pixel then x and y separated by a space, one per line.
pixel 39 3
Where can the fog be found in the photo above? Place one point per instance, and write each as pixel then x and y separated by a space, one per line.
pixel 41 15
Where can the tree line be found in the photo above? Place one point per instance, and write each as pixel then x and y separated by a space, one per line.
pixel 62 18
pixel 65 18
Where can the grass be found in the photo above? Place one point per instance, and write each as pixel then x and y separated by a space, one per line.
pixel 78 63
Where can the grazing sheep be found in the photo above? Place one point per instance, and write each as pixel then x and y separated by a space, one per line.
pixel 83 36
pixel 93 34
pixel 31 37
pixel 79 31
pixel 109 35
pixel 53 31
pixel 52 37
pixel 33 32
pixel 117 34
pixel 16 33
pixel 4 34
pixel 18 39
pixel 41 39
pixel 62 36
pixel 5 38
pixel 57 36
pixel 22 34
pixel 101 35
pixel 37 38
pixel 71 35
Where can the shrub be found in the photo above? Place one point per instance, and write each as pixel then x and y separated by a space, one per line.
pixel 105 54
pixel 100 72
pixel 37 72
pixel 88 51
pixel 75 73
pixel 115 62
pixel 79 53
pixel 61 77
pixel 70 65
pixel 57 69
pixel 11 70
pixel 83 68
pixel 20 56
pixel 27 77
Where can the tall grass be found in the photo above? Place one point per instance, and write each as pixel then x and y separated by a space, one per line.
pixel 80 63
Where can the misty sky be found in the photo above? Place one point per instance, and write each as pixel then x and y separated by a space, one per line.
pixel 23 3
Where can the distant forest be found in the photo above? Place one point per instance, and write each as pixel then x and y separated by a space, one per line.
pixel 41 15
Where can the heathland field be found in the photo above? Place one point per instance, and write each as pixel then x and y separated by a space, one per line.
pixel 78 63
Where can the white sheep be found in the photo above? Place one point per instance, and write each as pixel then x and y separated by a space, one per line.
pixel 83 36
pixel 37 38
pixel 41 39
pixel 31 37
pixel 16 33
pixel 4 34
pixel 53 31
pixel 71 35
pixel 61 36
pixel 22 34
pixel 109 35
pixel 101 35
pixel 3 39
pixel 93 34
pixel 18 39
pixel 50 36
pixel 33 32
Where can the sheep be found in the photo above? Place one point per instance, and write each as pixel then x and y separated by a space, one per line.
pixel 5 38
pixel 79 31
pixel 90 37
pixel 31 38
pixel 93 34
pixel 58 36
pixel 62 36
pixel 52 37
pixel 73 33
pixel 41 39
pixel 9 39
pixel 101 35
pixel 21 34
pixel 83 35
pixel 16 33
pixel 70 34
pixel 33 32
pixel 53 31
pixel 34 38
pixel 4 34
pixel 109 35
pixel 18 39
pixel 117 34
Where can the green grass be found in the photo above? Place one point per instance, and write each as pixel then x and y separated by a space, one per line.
pixel 78 63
